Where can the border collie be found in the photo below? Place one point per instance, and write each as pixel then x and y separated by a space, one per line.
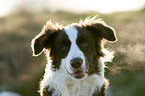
pixel 76 57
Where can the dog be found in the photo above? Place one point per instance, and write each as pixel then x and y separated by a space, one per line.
pixel 76 57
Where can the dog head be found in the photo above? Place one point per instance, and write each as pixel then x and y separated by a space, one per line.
pixel 75 48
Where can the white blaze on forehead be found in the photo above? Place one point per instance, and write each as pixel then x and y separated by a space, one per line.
pixel 74 51
pixel 72 33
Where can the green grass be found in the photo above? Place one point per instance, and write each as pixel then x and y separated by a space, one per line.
pixel 21 72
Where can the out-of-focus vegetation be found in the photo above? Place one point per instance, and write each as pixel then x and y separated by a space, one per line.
pixel 20 72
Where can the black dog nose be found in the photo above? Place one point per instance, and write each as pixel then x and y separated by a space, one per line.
pixel 76 62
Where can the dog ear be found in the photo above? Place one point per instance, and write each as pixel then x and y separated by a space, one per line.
pixel 38 44
pixel 46 38
pixel 43 40
pixel 103 30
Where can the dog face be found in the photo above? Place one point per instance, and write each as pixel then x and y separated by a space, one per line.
pixel 76 48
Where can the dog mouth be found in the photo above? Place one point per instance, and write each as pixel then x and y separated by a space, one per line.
pixel 78 74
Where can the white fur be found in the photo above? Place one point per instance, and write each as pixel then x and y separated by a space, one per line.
pixel 64 84
pixel 74 51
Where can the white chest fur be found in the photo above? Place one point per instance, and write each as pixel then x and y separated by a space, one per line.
pixel 64 85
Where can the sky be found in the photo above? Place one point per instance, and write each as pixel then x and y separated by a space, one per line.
pixel 79 6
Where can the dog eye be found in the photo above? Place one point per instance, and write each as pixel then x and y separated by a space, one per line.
pixel 85 44
pixel 63 48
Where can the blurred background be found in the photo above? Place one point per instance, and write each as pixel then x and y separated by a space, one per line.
pixel 22 20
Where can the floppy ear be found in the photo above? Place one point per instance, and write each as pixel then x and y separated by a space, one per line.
pixel 38 44
pixel 46 38
pixel 104 31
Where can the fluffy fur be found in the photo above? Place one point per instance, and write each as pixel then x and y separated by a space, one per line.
pixel 76 57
